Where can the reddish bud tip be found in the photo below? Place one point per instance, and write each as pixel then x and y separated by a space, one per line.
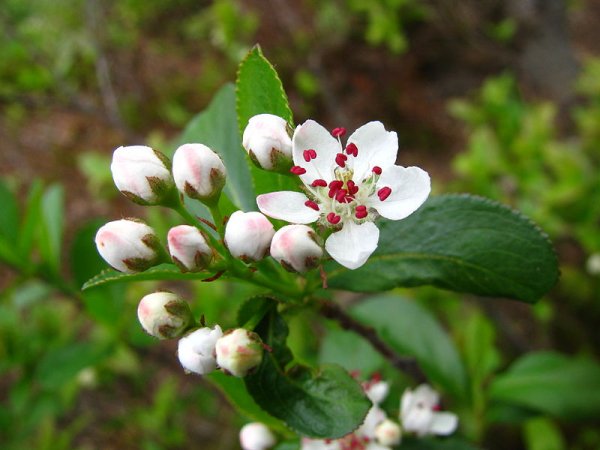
pixel 384 193
pixel 333 218
pixel 311 205
pixel 319 182
pixel 338 132
pixel 377 170
pixel 297 170
pixel 352 149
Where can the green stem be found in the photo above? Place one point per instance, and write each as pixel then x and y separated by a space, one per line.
pixel 217 218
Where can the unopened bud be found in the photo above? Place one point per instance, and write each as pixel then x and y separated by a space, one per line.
pixel 198 172
pixel 388 433
pixel 196 351
pixel 188 248
pixel 296 247
pixel 164 315
pixel 142 174
pixel 248 235
pixel 268 143
pixel 128 245
pixel 256 436
pixel 239 351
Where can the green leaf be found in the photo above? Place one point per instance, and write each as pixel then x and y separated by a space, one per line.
pixel 217 128
pixel 9 225
pixel 259 91
pixel 462 243
pixel 253 310
pixel 161 272
pixel 31 220
pixel 551 383
pixel 52 226
pixel 362 357
pixel 542 433
pixel 324 403
pixel 413 443
pixel 411 330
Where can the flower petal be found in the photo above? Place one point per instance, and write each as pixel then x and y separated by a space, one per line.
pixel 353 244
pixel 376 147
pixel 443 423
pixel 311 135
pixel 410 188
pixel 288 206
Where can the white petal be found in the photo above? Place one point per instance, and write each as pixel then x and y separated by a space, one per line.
pixel 443 423
pixel 288 206
pixel 311 135
pixel 317 444
pixel 377 392
pixel 353 244
pixel 374 417
pixel 376 147
pixel 427 396
pixel 410 188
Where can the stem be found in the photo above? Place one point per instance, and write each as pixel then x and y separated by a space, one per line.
pixel 407 365
pixel 217 218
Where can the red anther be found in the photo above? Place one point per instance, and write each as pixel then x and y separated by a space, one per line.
pixel 309 154
pixel 311 205
pixel 437 407
pixel 340 159
pixel 319 182
pixel 352 187
pixel 384 193
pixel 338 132
pixel 377 170
pixel 361 208
pixel 376 377
pixel 336 184
pixel 333 218
pixel 340 195
pixel 360 213
pixel 352 149
pixel 297 170
pixel 312 153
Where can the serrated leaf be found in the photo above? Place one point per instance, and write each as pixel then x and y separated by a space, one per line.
pixel 259 91
pixel 161 272
pixel 461 243
pixel 217 128
pixel 324 403
pixel 551 383
pixel 411 330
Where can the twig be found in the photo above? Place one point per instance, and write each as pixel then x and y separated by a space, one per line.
pixel 407 365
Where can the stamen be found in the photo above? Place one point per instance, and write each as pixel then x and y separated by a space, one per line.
pixel 297 170
pixel 377 170
pixel 360 212
pixel 352 149
pixel 309 154
pixel 336 184
pixel 311 205
pixel 319 182
pixel 338 132
pixel 352 187
pixel 384 193
pixel 340 159
pixel 333 218
pixel 340 195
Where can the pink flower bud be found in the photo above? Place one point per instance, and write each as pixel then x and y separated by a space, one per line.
pixel 388 433
pixel 196 351
pixel 128 245
pixel 142 174
pixel 164 315
pixel 256 436
pixel 188 248
pixel 198 172
pixel 268 143
pixel 239 351
pixel 296 247
pixel 248 235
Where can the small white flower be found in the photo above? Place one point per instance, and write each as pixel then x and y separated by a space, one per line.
pixel 188 248
pixel 268 143
pixel 388 433
pixel 374 417
pixel 296 248
pixel 419 413
pixel 239 351
pixel 348 188
pixel 196 351
pixel 128 245
pixel 248 235
pixel 198 172
pixel 320 444
pixel 256 436
pixel 142 174
pixel 376 390
pixel 164 315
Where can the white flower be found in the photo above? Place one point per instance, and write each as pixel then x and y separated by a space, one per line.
pixel 142 174
pixel 348 188
pixel 196 351
pixel 239 351
pixel 296 248
pixel 128 245
pixel 419 413
pixel 188 248
pixel 164 315
pixel 388 433
pixel 198 172
pixel 248 235
pixel 376 390
pixel 256 436
pixel 267 142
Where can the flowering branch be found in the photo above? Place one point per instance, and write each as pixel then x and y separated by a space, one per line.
pixel 407 365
